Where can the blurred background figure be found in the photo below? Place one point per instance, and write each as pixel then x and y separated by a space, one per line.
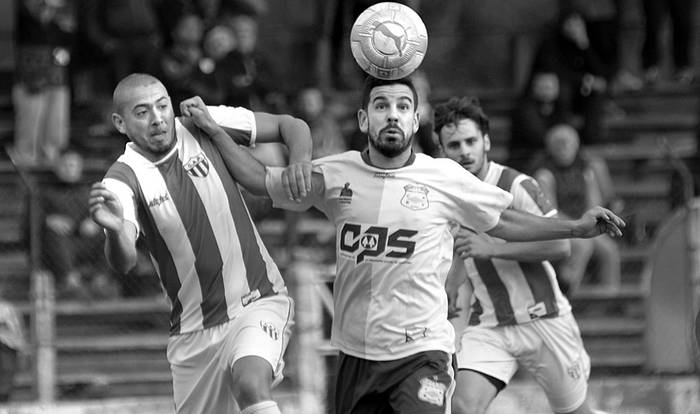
pixel 326 133
pixel 425 140
pixel 575 181
pixel 41 92
pixel 537 108
pixel 71 243
pixel 179 61
pixel 12 347
pixel 680 13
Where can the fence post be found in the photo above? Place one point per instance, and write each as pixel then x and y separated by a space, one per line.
pixel 310 363
pixel 43 327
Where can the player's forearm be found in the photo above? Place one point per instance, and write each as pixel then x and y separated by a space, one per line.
pixel 120 251
pixel 533 251
pixel 297 136
pixel 241 164
pixel 519 226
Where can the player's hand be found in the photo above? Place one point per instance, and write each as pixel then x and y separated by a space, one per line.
pixel 452 295
pixel 474 245
pixel 597 221
pixel 297 180
pixel 105 208
pixel 195 109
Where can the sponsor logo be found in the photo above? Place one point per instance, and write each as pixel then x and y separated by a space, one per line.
pixel 155 202
pixel 415 197
pixel 345 194
pixel 575 371
pixel 432 391
pixel 384 175
pixel 198 166
pixel 376 242
pixel 537 310
pixel 270 329
pixel 250 297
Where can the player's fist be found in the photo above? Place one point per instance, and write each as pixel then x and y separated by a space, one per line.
pixel 105 208
pixel 195 109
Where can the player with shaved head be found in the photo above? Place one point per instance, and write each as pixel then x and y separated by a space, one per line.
pixel 231 316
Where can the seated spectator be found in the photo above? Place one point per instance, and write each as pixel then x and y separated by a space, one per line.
pixel 12 347
pixel 180 61
pixel 538 108
pixel 566 51
pixel 574 182
pixel 325 129
pixel 71 243
pixel 210 80
pixel 425 140
pixel 41 92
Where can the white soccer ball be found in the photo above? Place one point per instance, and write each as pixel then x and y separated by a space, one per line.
pixel 388 40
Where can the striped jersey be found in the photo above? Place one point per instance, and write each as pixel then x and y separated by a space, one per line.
pixel 394 247
pixel 509 292
pixel 192 217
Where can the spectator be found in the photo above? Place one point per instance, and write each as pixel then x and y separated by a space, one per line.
pixel 127 32
pixel 582 75
pixel 325 131
pixel 179 62
pixel 538 108
pixel 12 346
pixel 681 14
pixel 425 140
pixel 41 91
pixel 215 67
pixel 71 239
pixel 574 181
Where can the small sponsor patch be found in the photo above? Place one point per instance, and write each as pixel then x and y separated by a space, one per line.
pixel 432 391
pixel 575 370
pixel 537 310
pixel 252 296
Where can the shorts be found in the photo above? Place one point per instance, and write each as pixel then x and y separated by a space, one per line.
pixel 550 349
pixel 201 361
pixel 420 383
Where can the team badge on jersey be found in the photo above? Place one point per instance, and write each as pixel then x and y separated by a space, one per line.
pixel 431 391
pixel 415 197
pixel 198 166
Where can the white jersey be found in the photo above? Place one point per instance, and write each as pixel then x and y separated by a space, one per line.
pixel 394 247
pixel 192 217
pixel 508 292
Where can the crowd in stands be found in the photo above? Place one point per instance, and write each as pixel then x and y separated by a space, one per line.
pixel 71 52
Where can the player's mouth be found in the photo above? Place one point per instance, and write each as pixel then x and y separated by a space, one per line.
pixel 392 133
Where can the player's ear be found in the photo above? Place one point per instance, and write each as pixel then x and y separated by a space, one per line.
pixel 362 120
pixel 416 121
pixel 118 122
pixel 487 142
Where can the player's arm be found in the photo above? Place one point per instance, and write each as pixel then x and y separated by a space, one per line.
pixel 296 135
pixel 120 235
pixel 482 246
pixel 280 196
pixel 456 277
pixel 514 225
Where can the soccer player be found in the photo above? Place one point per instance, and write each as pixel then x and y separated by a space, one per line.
pixel 394 211
pixel 518 313
pixel 231 315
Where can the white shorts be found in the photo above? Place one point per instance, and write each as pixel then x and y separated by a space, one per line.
pixel 201 361
pixel 551 349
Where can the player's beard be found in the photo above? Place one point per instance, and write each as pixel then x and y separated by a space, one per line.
pixel 390 148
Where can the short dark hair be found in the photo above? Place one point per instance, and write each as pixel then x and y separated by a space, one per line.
pixel 371 82
pixel 456 109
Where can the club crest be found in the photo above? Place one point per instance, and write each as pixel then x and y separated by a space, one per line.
pixel 198 166
pixel 415 197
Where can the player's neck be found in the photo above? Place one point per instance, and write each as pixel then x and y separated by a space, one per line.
pixel 484 169
pixel 379 160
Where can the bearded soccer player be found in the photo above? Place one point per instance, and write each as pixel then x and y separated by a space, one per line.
pixel 394 211
pixel 518 314
pixel 231 315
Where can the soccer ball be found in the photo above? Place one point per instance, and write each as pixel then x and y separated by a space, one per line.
pixel 388 40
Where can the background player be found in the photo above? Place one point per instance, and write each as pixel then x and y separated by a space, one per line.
pixel 231 314
pixel 394 248
pixel 518 313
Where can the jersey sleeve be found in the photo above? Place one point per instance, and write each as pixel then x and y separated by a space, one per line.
pixel 529 197
pixel 119 181
pixel 478 205
pixel 238 122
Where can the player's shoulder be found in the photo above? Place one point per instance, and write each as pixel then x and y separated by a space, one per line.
pixel 343 158
pixel 440 164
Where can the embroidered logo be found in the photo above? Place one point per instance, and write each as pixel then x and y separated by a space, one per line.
pixel 384 175
pixel 155 202
pixel 432 391
pixel 575 370
pixel 198 166
pixel 270 330
pixel 415 197
pixel 345 194
pixel 250 297
pixel 537 310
